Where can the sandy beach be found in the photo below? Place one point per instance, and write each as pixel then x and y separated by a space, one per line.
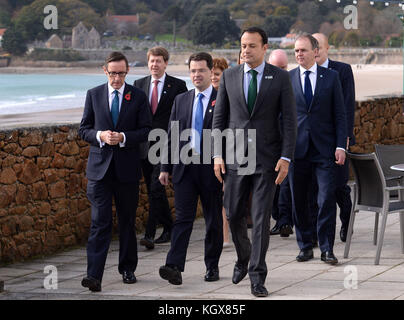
pixel 370 81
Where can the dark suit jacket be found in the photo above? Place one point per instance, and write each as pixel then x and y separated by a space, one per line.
pixel 171 88
pixel 348 89
pixel 275 98
pixel 324 121
pixel 134 121
pixel 182 112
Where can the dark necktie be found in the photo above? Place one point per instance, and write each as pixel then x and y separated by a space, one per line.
pixel 199 122
pixel 308 91
pixel 115 108
pixel 154 97
pixel 252 90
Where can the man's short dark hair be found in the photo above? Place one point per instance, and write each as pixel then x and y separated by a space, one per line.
pixel 313 41
pixel 261 32
pixel 116 56
pixel 200 56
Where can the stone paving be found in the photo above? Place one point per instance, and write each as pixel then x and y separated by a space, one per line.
pixel 287 278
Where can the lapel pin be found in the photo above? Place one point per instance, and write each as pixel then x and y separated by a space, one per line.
pixel 321 75
pixel 210 110
pixel 269 77
pixel 169 85
pixel 164 92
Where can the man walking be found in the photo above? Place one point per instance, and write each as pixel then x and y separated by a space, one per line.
pixel 115 121
pixel 252 96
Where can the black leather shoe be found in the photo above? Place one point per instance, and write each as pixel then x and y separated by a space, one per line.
pixel 172 274
pixel 239 273
pixel 147 242
pixel 212 275
pixel 328 257
pixel 259 290
pixel 128 277
pixel 164 238
pixel 286 230
pixel 343 234
pixel 91 283
pixel 275 230
pixel 305 255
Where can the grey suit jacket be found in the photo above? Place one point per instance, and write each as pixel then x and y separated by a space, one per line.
pixel 275 101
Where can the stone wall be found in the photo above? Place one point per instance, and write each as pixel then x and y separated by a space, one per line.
pixel 43 203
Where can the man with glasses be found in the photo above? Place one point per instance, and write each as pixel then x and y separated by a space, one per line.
pixel 115 121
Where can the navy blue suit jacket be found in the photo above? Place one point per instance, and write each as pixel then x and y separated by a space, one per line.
pixel 182 112
pixel 134 121
pixel 348 89
pixel 324 121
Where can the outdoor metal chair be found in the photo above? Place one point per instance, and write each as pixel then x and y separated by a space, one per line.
pixel 372 194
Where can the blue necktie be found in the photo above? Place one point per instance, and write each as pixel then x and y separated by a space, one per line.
pixel 199 122
pixel 115 108
pixel 308 91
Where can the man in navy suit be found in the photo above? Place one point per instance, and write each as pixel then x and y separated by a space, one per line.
pixel 161 90
pixel 115 121
pixel 343 191
pixel 321 143
pixel 193 111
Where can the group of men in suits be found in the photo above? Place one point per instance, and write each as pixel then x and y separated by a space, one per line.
pixel 300 134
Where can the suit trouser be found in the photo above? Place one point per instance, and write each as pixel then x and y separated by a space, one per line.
pixel 283 204
pixel 342 195
pixel 159 209
pixel 100 195
pixel 236 190
pixel 187 192
pixel 301 173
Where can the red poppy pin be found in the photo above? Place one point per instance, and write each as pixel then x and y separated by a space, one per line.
pixel 213 103
pixel 127 96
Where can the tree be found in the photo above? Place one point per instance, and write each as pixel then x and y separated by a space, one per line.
pixel 277 26
pixel 211 25
pixel 174 13
pixel 14 41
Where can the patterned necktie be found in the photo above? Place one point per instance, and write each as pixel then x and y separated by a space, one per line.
pixel 115 108
pixel 154 97
pixel 199 122
pixel 252 90
pixel 308 91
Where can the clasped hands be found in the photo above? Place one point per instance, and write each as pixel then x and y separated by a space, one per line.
pixel 110 137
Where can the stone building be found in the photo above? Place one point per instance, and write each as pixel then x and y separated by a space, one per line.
pixel 54 42
pixel 83 39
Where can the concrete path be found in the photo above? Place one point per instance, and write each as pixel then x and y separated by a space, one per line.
pixel 287 278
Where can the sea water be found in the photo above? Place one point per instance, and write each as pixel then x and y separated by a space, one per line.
pixel 24 93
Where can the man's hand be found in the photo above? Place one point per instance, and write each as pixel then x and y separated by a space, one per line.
pixel 340 157
pixel 164 178
pixel 219 168
pixel 111 138
pixel 282 167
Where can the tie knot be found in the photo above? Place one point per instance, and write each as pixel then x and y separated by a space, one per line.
pixel 307 73
pixel 253 73
pixel 200 95
pixel 156 82
pixel 116 92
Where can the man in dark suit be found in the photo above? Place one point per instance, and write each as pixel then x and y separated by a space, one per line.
pixel 252 97
pixel 193 111
pixel 321 143
pixel 343 191
pixel 161 90
pixel 115 121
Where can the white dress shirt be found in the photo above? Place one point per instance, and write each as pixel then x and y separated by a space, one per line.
pixel 111 96
pixel 325 64
pixel 160 86
pixel 248 77
pixel 205 100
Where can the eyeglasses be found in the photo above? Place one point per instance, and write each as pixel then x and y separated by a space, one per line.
pixel 113 74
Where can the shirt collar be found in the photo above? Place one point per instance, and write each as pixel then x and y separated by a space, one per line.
pixel 259 69
pixel 326 63
pixel 206 93
pixel 162 79
pixel 313 69
pixel 120 90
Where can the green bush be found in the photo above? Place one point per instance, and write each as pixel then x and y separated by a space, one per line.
pixel 55 55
